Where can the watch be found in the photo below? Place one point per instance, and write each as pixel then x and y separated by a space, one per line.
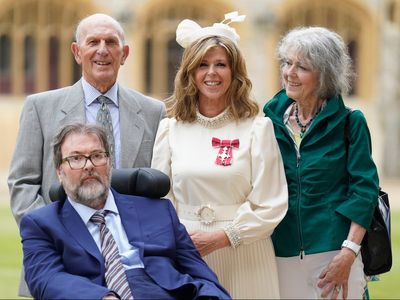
pixel 352 246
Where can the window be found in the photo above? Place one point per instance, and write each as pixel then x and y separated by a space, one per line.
pixel 29 64
pixel 148 65
pixel 5 64
pixel 54 47
pixel 352 47
pixel 174 59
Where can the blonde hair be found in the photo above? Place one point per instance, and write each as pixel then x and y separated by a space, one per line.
pixel 184 101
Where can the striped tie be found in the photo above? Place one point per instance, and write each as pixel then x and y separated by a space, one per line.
pixel 104 119
pixel 115 274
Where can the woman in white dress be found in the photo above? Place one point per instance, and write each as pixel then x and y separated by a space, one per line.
pixel 228 182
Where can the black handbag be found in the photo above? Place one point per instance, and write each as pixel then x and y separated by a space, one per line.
pixel 376 247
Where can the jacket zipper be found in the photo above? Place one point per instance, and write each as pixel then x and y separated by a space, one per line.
pixel 298 203
pixel 298 160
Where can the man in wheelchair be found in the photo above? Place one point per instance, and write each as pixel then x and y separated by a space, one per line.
pixel 96 243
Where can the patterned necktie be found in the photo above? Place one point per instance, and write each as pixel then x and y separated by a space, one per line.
pixel 104 119
pixel 115 274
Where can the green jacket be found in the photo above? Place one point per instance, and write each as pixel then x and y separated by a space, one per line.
pixel 326 190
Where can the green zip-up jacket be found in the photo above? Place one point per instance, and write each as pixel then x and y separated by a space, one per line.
pixel 330 184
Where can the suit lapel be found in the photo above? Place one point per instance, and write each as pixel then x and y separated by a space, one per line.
pixel 74 224
pixel 73 106
pixel 131 123
pixel 131 127
pixel 130 221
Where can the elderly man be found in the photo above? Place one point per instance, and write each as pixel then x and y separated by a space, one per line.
pixel 131 118
pixel 101 244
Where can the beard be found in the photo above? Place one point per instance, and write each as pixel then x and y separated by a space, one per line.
pixel 92 189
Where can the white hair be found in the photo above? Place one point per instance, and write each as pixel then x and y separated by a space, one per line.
pixel 327 54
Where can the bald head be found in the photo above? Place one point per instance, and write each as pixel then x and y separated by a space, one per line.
pixel 100 49
pixel 96 19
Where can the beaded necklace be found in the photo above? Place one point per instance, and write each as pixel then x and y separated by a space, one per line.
pixel 215 122
pixel 303 128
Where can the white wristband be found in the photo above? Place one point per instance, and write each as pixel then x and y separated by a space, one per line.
pixel 352 246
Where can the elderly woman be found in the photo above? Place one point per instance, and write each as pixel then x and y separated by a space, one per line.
pixel 228 180
pixel 333 181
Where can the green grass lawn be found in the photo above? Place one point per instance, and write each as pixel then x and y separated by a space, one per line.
pixel 10 260
pixel 10 254
pixel 389 285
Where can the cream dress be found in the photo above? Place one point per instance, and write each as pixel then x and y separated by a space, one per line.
pixel 247 199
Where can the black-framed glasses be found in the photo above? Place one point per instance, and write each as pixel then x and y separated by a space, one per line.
pixel 77 162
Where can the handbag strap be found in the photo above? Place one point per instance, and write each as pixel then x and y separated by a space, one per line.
pixel 347 134
pixel 346 128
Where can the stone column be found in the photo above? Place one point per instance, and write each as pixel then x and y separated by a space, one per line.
pixel 389 108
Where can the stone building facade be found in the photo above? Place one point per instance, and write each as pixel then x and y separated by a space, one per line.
pixel 35 38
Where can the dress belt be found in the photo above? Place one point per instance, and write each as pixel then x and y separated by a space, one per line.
pixel 208 213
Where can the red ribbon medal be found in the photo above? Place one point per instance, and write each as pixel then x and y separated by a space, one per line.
pixel 224 156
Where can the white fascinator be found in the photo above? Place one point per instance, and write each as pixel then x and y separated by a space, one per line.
pixel 189 31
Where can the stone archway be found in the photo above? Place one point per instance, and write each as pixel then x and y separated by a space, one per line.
pixel 158 52
pixel 39 34
pixel 353 21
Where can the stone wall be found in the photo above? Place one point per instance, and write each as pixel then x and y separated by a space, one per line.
pixel 10 109
pixel 389 102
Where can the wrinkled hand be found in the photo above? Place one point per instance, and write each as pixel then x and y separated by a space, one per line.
pixel 207 242
pixel 337 274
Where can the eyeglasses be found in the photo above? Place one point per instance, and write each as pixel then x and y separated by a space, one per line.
pixel 77 162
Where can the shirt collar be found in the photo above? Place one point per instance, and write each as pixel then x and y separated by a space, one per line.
pixel 86 212
pixel 91 93
pixel 287 113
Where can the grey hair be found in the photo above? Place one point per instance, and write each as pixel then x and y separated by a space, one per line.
pixel 76 128
pixel 101 18
pixel 327 54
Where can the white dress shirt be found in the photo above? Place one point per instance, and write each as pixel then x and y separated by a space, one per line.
pixel 129 254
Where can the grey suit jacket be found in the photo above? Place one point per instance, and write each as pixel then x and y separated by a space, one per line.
pixel 32 171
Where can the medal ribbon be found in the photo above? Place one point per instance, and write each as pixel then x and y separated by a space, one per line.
pixel 224 156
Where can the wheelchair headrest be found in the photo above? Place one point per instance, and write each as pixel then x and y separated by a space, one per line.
pixel 146 182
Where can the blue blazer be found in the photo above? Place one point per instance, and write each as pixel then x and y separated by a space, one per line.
pixel 61 258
